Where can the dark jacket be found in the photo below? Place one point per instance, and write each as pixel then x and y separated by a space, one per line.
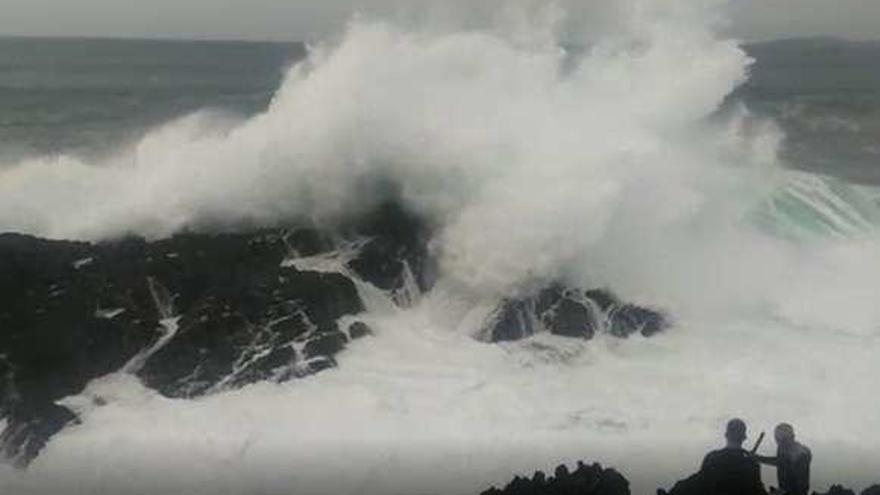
pixel 792 468
pixel 731 471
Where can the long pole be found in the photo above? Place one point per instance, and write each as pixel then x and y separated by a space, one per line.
pixel 758 443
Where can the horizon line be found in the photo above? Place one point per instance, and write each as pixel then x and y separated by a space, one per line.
pixel 279 41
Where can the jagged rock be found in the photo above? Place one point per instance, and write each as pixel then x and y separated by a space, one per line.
pixel 872 490
pixel 197 313
pixel 359 329
pixel 512 320
pixel 585 480
pixel 29 426
pixel 603 298
pixel 628 319
pixel 839 490
pixel 396 249
pixel 71 312
pixel 189 314
pixel 326 344
pixel 564 312
pixel 65 320
pixel 571 313
pixel 242 336
pixel 318 364
pixel 624 319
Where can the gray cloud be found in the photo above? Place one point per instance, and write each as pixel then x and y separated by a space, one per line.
pixel 309 19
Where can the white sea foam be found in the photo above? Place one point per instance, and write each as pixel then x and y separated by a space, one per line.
pixel 417 408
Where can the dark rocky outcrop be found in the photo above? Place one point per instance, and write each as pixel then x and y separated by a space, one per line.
pixel 189 314
pixel 30 427
pixel 838 490
pixel 872 490
pixel 623 319
pixel 198 313
pixel 243 316
pixel 395 252
pixel 584 480
pixel 63 322
pixel 571 313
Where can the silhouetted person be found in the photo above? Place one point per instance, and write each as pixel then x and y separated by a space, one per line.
pixel 731 470
pixel 792 462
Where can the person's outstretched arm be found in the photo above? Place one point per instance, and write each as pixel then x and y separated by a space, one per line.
pixel 769 460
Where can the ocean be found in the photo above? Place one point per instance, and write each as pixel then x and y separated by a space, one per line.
pixel 733 186
pixel 91 96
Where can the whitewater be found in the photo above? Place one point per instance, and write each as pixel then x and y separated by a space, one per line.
pixel 618 165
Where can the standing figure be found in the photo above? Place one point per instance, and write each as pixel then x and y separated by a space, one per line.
pixel 728 471
pixel 792 462
pixel 732 470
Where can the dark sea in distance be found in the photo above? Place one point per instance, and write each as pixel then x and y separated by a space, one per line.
pixel 90 96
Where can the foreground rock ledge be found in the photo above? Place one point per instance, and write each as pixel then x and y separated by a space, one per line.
pixel 596 480
pixel 584 480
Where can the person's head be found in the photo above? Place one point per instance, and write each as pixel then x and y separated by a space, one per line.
pixel 735 432
pixel 784 434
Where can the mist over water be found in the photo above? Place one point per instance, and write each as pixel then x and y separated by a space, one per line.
pixel 609 167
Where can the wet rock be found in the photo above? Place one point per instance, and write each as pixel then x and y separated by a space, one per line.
pixel 569 317
pixel 66 318
pixel 512 320
pixel 29 426
pixel 233 333
pixel 627 319
pixel 396 250
pixel 318 364
pixel 190 314
pixel 571 313
pixel 603 298
pixel 359 329
pixel 326 344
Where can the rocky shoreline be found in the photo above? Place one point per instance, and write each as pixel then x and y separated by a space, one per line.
pixel 199 313
pixel 593 479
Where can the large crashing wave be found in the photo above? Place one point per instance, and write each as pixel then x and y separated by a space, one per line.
pixel 535 162
pixel 474 128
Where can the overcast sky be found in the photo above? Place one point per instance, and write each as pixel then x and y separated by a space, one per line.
pixel 310 19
